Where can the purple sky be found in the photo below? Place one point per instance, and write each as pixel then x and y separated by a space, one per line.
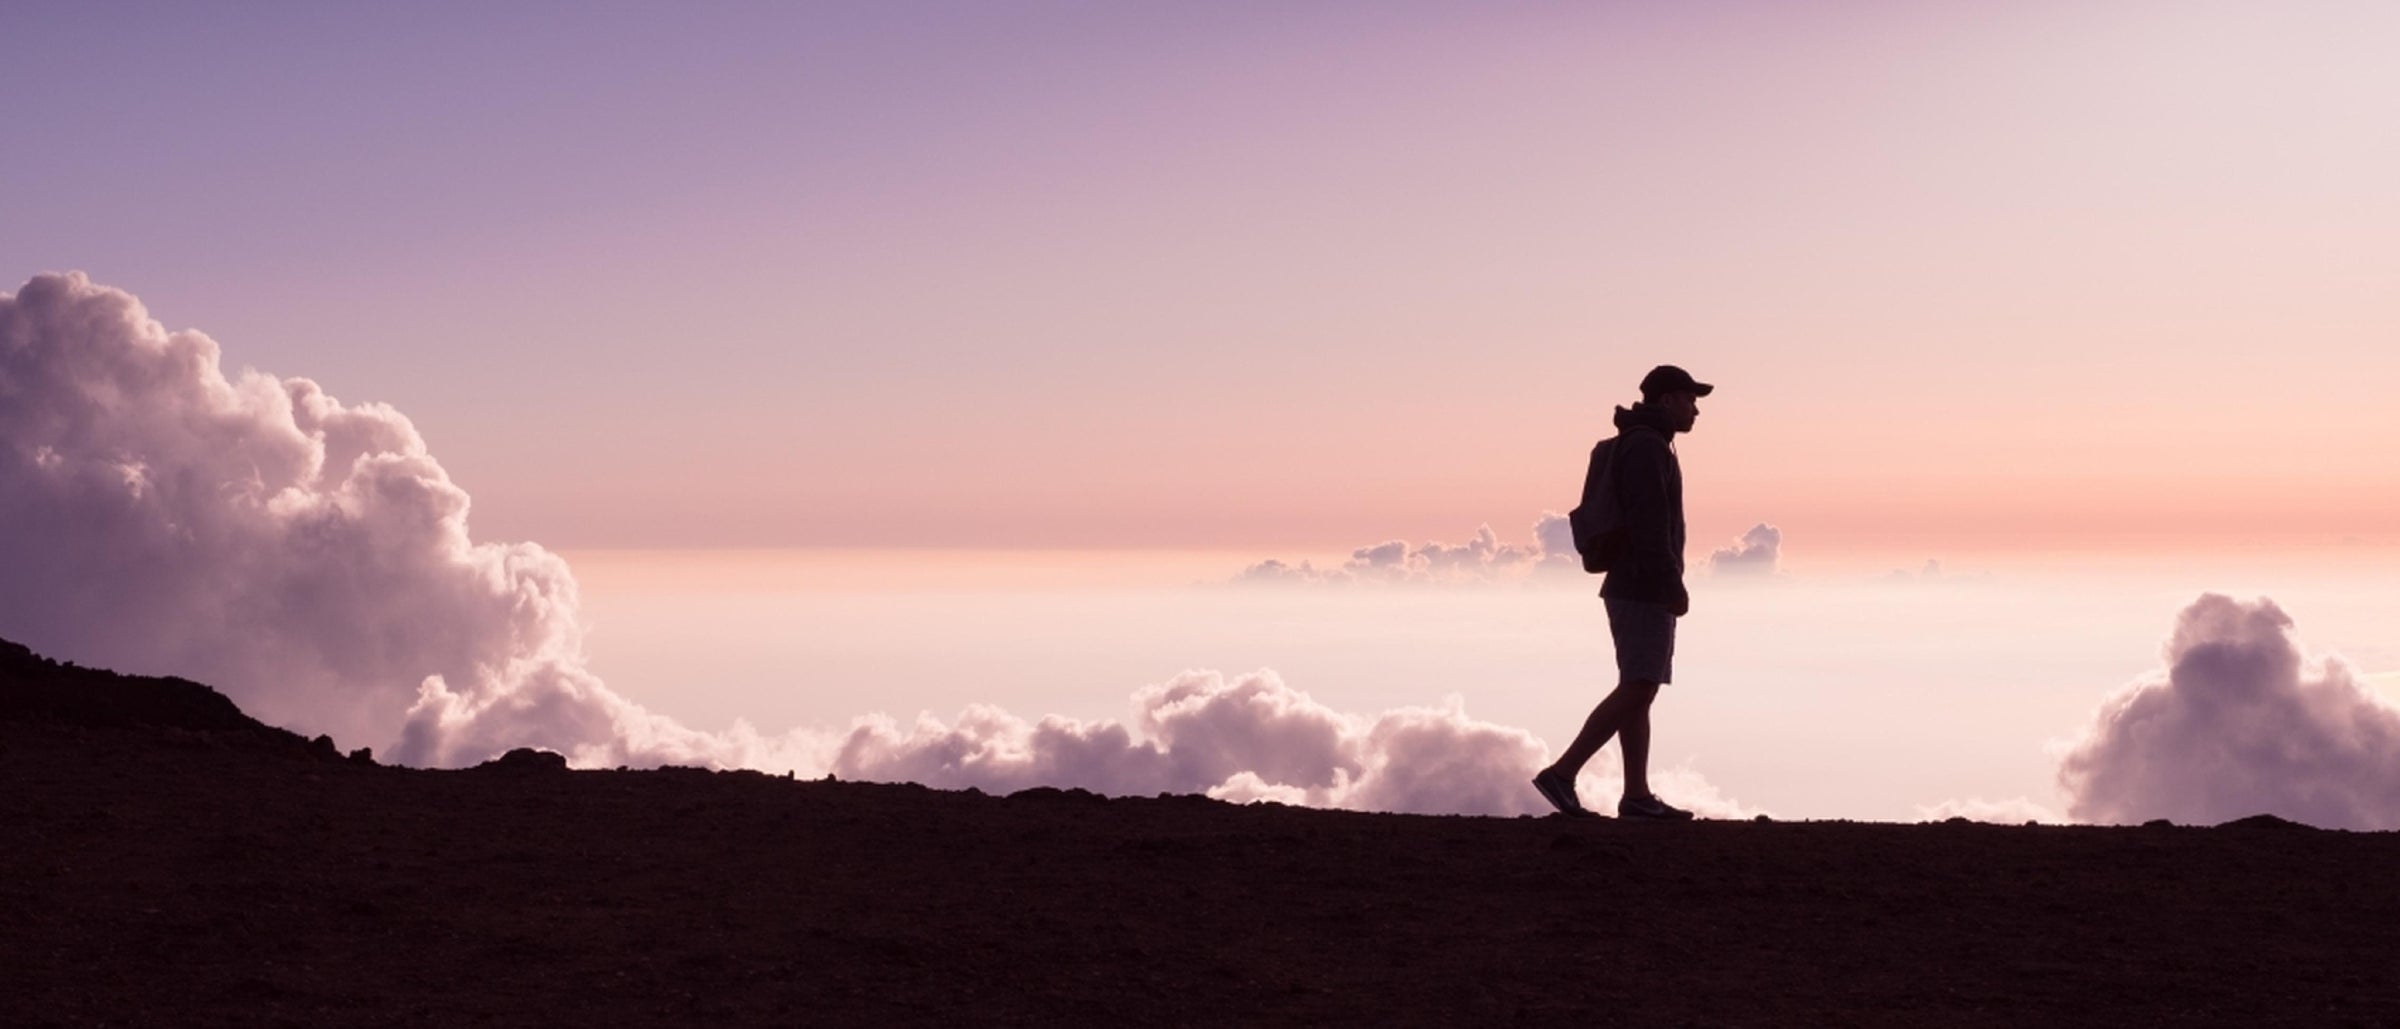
pixel 1238 275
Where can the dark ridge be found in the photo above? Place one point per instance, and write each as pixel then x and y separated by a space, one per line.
pixel 37 689
pixel 2269 822
pixel 159 865
pixel 1054 795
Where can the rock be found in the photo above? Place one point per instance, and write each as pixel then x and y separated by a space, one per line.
pixel 2264 821
pixel 1053 793
pixel 526 759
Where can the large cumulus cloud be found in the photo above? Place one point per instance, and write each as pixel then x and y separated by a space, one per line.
pixel 2240 722
pixel 309 555
pixel 312 558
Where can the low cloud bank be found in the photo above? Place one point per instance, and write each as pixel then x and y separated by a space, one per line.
pixel 1247 738
pixel 1483 559
pixel 312 559
pixel 1758 553
pixel 2240 722
pixel 1250 738
pixel 1930 571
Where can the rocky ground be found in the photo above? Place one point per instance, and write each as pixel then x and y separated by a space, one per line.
pixel 164 860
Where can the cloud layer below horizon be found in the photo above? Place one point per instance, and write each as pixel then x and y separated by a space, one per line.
pixel 1481 559
pixel 1485 559
pixel 1248 738
pixel 312 558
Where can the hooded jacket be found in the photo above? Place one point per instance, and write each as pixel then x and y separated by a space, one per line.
pixel 1649 485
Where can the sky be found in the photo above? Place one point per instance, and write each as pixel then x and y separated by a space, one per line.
pixel 2042 276
pixel 1180 397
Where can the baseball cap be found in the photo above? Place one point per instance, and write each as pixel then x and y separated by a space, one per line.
pixel 1667 378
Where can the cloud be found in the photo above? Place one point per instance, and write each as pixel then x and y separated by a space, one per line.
pixel 2239 723
pixel 1758 553
pixel 313 560
pixel 1934 573
pixel 1485 559
pixel 1930 571
pixel 1245 739
pixel 309 556
pixel 1482 559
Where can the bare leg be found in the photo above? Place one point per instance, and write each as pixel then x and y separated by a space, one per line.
pixel 1633 739
pixel 1624 706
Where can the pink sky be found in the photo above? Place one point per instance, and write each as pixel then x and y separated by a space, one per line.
pixel 2047 275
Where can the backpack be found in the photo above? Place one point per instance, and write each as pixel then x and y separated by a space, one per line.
pixel 1599 521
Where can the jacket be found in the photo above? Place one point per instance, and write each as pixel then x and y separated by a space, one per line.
pixel 1649 485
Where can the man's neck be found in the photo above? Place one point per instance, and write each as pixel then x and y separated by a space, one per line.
pixel 1650 417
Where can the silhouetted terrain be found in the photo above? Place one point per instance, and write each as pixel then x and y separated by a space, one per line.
pixel 169 861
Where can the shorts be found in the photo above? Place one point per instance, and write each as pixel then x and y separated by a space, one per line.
pixel 1644 632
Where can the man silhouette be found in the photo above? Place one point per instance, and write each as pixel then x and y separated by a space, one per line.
pixel 1643 591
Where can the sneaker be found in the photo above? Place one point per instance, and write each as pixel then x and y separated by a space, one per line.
pixel 1650 809
pixel 1560 792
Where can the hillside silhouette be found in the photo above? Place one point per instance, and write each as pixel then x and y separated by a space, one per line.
pixel 169 860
